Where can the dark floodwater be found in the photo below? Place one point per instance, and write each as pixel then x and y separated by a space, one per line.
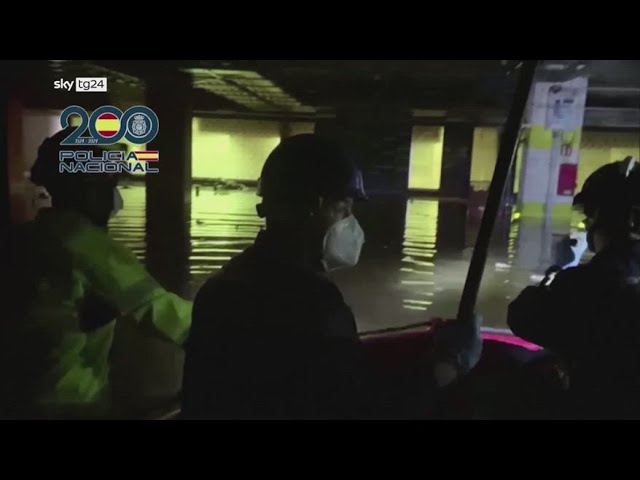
pixel 413 265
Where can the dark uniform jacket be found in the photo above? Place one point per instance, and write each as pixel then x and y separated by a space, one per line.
pixel 590 316
pixel 272 340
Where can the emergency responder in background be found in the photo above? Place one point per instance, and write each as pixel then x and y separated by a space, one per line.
pixel 590 314
pixel 69 282
pixel 272 336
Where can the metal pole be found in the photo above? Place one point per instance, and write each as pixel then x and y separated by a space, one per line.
pixel 5 200
pixel 506 154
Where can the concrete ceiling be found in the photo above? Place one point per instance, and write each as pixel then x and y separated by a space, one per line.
pixel 312 87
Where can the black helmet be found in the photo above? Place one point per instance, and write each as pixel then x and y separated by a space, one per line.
pixel 613 186
pixel 304 167
pixel 611 196
pixel 45 170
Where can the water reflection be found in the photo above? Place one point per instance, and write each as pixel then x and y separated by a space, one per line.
pixel 413 265
pixel 222 225
pixel 128 226
pixel 419 248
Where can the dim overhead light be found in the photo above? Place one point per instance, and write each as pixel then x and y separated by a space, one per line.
pixel 246 88
pixel 555 66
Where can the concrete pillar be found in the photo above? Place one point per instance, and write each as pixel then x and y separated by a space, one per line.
pixel 168 201
pixel 379 138
pixel 20 190
pixel 456 161
pixel 125 96
pixel 4 165
pixel 452 227
pixel 146 371
pixel 551 145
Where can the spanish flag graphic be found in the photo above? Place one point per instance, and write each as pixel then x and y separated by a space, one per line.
pixel 108 125
pixel 147 155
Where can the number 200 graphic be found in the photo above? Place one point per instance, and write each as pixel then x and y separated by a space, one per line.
pixel 107 125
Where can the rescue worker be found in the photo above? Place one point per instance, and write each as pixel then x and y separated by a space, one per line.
pixel 589 314
pixel 272 337
pixel 70 281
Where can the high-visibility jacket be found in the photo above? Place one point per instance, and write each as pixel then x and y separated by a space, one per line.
pixel 70 281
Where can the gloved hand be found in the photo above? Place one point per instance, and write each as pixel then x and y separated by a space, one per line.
pixel 570 250
pixel 457 348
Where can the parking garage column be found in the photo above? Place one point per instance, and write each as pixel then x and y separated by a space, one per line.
pixel 19 191
pixel 5 161
pixel 168 193
pixel 146 372
pixel 548 181
pixel 379 138
pixel 456 160
pixel 126 93
pixel 551 144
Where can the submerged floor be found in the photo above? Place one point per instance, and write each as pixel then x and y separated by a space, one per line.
pixel 413 265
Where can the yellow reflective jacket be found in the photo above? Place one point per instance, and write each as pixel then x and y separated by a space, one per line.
pixel 70 284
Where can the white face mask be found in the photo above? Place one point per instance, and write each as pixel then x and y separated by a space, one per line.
pixel 343 243
pixel 118 202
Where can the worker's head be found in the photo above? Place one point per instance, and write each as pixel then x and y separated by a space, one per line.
pixel 610 201
pixel 308 187
pixel 95 195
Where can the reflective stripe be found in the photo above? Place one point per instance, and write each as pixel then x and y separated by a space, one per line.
pixel 171 315
pixel 68 368
pixel 138 295
pixel 117 275
pixel 536 210
pixel 78 385
pixel 79 369
pixel 112 270
pixel 540 137
pixel 75 364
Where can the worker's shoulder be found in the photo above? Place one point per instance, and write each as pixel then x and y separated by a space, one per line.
pixel 60 221
pixel 568 276
pixel 34 242
pixel 255 278
pixel 564 285
pixel 256 265
pixel 585 278
pixel 589 271
pixel 72 232
pixel 239 277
